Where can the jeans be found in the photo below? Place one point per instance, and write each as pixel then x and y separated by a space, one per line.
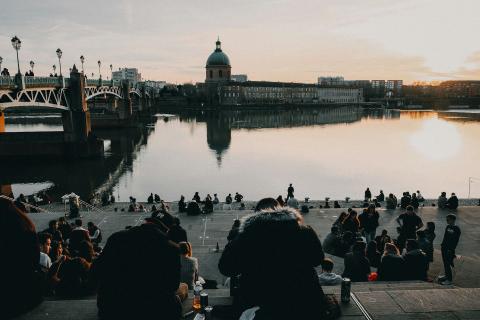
pixel 369 235
pixel 447 257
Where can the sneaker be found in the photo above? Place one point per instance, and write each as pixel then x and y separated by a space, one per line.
pixel 446 283
pixel 442 278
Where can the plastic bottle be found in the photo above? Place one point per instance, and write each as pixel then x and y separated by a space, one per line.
pixel 197 289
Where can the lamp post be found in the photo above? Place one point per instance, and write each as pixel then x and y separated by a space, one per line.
pixel 59 55
pixel 470 181
pixel 82 60
pixel 54 67
pixel 16 44
pixel 99 72
pixel 1 60
pixel 32 64
pixel 111 73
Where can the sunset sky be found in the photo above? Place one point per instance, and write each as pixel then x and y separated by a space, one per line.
pixel 279 40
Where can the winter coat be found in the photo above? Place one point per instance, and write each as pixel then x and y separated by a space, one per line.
pixel 357 267
pixel 275 255
pixel 391 268
pixel 416 265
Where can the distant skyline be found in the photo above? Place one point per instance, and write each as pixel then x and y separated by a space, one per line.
pixel 275 40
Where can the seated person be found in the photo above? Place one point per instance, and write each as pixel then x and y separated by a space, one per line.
pixel 21 280
pixel 182 206
pixel 138 275
pixel 193 209
pixel 238 197
pixel 157 198
pixel 215 199
pixel 442 201
pixel 196 198
pixel 275 252
pixel 208 207
pixel 373 255
pixel 392 265
pixel 327 277
pixel 150 199
pixel 176 233
pixel 391 202
pixel 332 241
pixel 416 262
pixel 94 232
pixel 78 235
pixel 45 240
pixel 357 266
pixel 280 201
pixel 452 202
pixel 381 196
pixel 189 265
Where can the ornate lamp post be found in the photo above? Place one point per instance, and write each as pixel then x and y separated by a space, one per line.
pixel 82 60
pixel 32 64
pixel 111 73
pixel 59 55
pixel 1 60
pixel 99 72
pixel 54 67
pixel 16 44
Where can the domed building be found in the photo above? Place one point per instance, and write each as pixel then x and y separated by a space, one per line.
pixel 218 66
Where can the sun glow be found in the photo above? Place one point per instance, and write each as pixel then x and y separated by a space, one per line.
pixel 436 140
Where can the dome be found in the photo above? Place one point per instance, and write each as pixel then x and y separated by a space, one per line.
pixel 218 58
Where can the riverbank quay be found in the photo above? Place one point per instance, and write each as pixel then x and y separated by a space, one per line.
pixel 381 300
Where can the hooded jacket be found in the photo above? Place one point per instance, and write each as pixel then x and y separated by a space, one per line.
pixel 275 256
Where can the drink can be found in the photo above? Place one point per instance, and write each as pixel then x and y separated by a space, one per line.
pixel 203 299
pixel 345 291
pixel 208 313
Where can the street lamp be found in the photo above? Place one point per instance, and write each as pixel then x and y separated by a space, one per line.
pixel 32 64
pixel 59 55
pixel 82 60
pixel 1 60
pixel 16 44
pixel 99 72
pixel 54 69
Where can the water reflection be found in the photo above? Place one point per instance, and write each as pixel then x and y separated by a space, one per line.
pixel 325 152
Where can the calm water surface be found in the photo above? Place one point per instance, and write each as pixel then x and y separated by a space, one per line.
pixel 325 152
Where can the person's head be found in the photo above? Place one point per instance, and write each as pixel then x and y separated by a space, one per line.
pixel 327 265
pixel 390 248
pixel 453 194
pixel 359 247
pixel 390 195
pixel 185 248
pixel 410 210
pixel 78 222
pixel 431 226
pixel 418 191
pixel 182 197
pixel 236 223
pixel 381 191
pixel 349 210
pixel 56 249
pixel 45 241
pixel 290 184
pixel 451 218
pixel 53 224
pixel 412 244
pixel 215 195
pixel 372 207
pixel 353 214
pixel 384 232
pixel 414 195
pixel 372 247
pixel 267 204
pixel 85 250
pixel 342 215
pixel 444 194
pixel 90 225
pixel 334 230
pixel 62 220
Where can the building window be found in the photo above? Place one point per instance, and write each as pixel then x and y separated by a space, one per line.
pixel 220 73
pixel 211 74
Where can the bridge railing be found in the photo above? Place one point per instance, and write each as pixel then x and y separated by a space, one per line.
pixel 7 81
pixel 44 81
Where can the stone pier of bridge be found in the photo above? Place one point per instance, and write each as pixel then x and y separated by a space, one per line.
pixel 76 141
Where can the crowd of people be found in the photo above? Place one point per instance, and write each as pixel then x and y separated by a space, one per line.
pixel 271 250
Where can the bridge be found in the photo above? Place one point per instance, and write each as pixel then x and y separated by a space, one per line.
pixel 70 96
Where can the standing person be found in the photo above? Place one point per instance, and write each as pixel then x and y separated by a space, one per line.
pixel 238 197
pixel 420 197
pixel 381 196
pixel 449 244
pixel 196 198
pixel 228 199
pixel 369 222
pixel 290 191
pixel 368 195
pixel 409 223
pixel 405 201
pixel 182 206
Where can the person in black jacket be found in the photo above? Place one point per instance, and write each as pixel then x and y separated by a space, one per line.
pixel 369 222
pixel 176 233
pixel 416 262
pixel 357 266
pixel 275 254
pixel 138 274
pixel 392 265
pixel 449 244
pixel 452 202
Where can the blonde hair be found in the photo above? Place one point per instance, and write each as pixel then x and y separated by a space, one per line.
pixel 390 248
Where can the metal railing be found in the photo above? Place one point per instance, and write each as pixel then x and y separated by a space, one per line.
pixel 26 204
